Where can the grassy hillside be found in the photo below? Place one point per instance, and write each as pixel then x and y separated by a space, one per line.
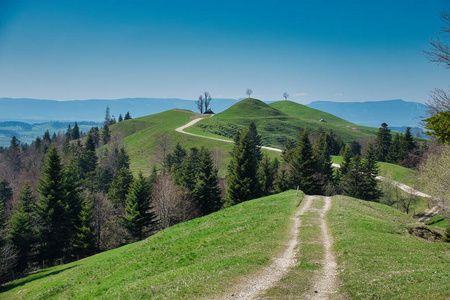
pixel 277 122
pixel 380 259
pixel 377 257
pixel 195 259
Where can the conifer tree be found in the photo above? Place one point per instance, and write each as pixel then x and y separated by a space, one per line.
pixel 21 232
pixel 85 242
pixel 119 187
pixel 127 116
pixel 267 173
pixel 370 170
pixel 53 221
pixel 6 192
pixel 120 119
pixel 139 220
pixel 106 134
pixel 242 178
pixel 395 154
pixel 88 159
pixel 303 167
pixel 75 132
pixel 352 181
pixel 206 192
pixel 383 142
pixel 323 160
pixel 69 132
pixel 408 144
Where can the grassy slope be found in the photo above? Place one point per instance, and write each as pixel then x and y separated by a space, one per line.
pixel 277 122
pixel 379 259
pixel 195 259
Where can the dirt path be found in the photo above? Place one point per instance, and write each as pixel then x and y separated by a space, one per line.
pixel 428 214
pixel 257 284
pixel 325 283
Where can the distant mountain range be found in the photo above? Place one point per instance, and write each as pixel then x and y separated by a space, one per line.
pixel 38 111
pixel 395 113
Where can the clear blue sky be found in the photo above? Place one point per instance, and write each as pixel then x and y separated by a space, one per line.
pixel 314 50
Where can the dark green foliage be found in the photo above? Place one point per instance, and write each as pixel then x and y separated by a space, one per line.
pixel 46 138
pixel 359 180
pixel 396 153
pixel 119 187
pixel 323 161
pixel 255 140
pixel 355 148
pixel 84 243
pixel 281 181
pixel 408 143
pixel 69 132
pixel 139 220
pixel 303 167
pixel 267 175
pixel 75 132
pixel 175 159
pixel 334 143
pixel 186 173
pixel 53 222
pixel 88 159
pixel 242 178
pixel 106 134
pixel 206 192
pixel 21 233
pixel 127 116
pixel 5 192
pixel 120 119
pixel 383 142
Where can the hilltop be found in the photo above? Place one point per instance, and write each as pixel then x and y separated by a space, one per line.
pixel 376 254
pixel 278 121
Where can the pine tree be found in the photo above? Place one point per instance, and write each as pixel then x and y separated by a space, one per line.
pixel 139 220
pixel 6 192
pixel 120 119
pixel 46 137
pixel 303 167
pixel 408 144
pixel 53 222
pixel 127 116
pixel 88 159
pixel 255 140
pixel 395 154
pixel 120 186
pixel 75 132
pixel 85 242
pixel 206 192
pixel 106 134
pixel 352 182
pixel 383 142
pixel 21 232
pixel 323 160
pixel 267 173
pixel 370 170
pixel 69 132
pixel 242 178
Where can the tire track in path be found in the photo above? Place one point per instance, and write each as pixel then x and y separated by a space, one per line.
pixel 257 284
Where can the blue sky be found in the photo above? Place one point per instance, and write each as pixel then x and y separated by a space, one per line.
pixel 314 50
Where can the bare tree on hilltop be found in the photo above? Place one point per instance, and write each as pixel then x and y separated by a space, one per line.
pixel 285 95
pixel 203 102
pixel 249 92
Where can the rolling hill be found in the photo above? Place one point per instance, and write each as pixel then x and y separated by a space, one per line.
pixel 277 122
pixel 378 256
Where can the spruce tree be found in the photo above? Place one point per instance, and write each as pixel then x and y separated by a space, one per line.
pixel 75 132
pixel 383 142
pixel 242 178
pixel 106 134
pixel 6 192
pixel 352 181
pixel 206 192
pixel 127 116
pixel 119 187
pixel 370 170
pixel 69 132
pixel 303 167
pixel 88 159
pixel 395 154
pixel 53 222
pixel 120 119
pixel 21 233
pixel 139 220
pixel 84 242
pixel 267 174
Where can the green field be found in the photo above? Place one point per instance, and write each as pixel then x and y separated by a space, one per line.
pixel 277 122
pixel 199 258
pixel 377 257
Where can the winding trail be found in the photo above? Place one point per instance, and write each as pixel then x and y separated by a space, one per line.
pixel 402 186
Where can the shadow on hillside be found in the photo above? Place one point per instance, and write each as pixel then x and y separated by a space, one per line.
pixel 31 277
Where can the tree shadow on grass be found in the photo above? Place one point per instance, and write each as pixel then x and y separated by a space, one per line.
pixel 32 277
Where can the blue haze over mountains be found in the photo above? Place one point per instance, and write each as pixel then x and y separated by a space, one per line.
pixel 395 113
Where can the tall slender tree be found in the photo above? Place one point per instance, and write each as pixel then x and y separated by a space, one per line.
pixel 139 219
pixel 383 142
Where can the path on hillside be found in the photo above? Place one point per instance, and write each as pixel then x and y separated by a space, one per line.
pixel 428 214
pixel 402 186
pixel 324 283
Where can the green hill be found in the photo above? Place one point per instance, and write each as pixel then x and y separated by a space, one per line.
pixel 376 254
pixel 277 122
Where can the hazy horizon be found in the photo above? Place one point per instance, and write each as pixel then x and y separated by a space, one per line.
pixel 321 51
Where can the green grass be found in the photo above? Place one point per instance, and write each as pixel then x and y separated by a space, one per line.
pixel 277 122
pixel 199 258
pixel 379 259
pixel 437 221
